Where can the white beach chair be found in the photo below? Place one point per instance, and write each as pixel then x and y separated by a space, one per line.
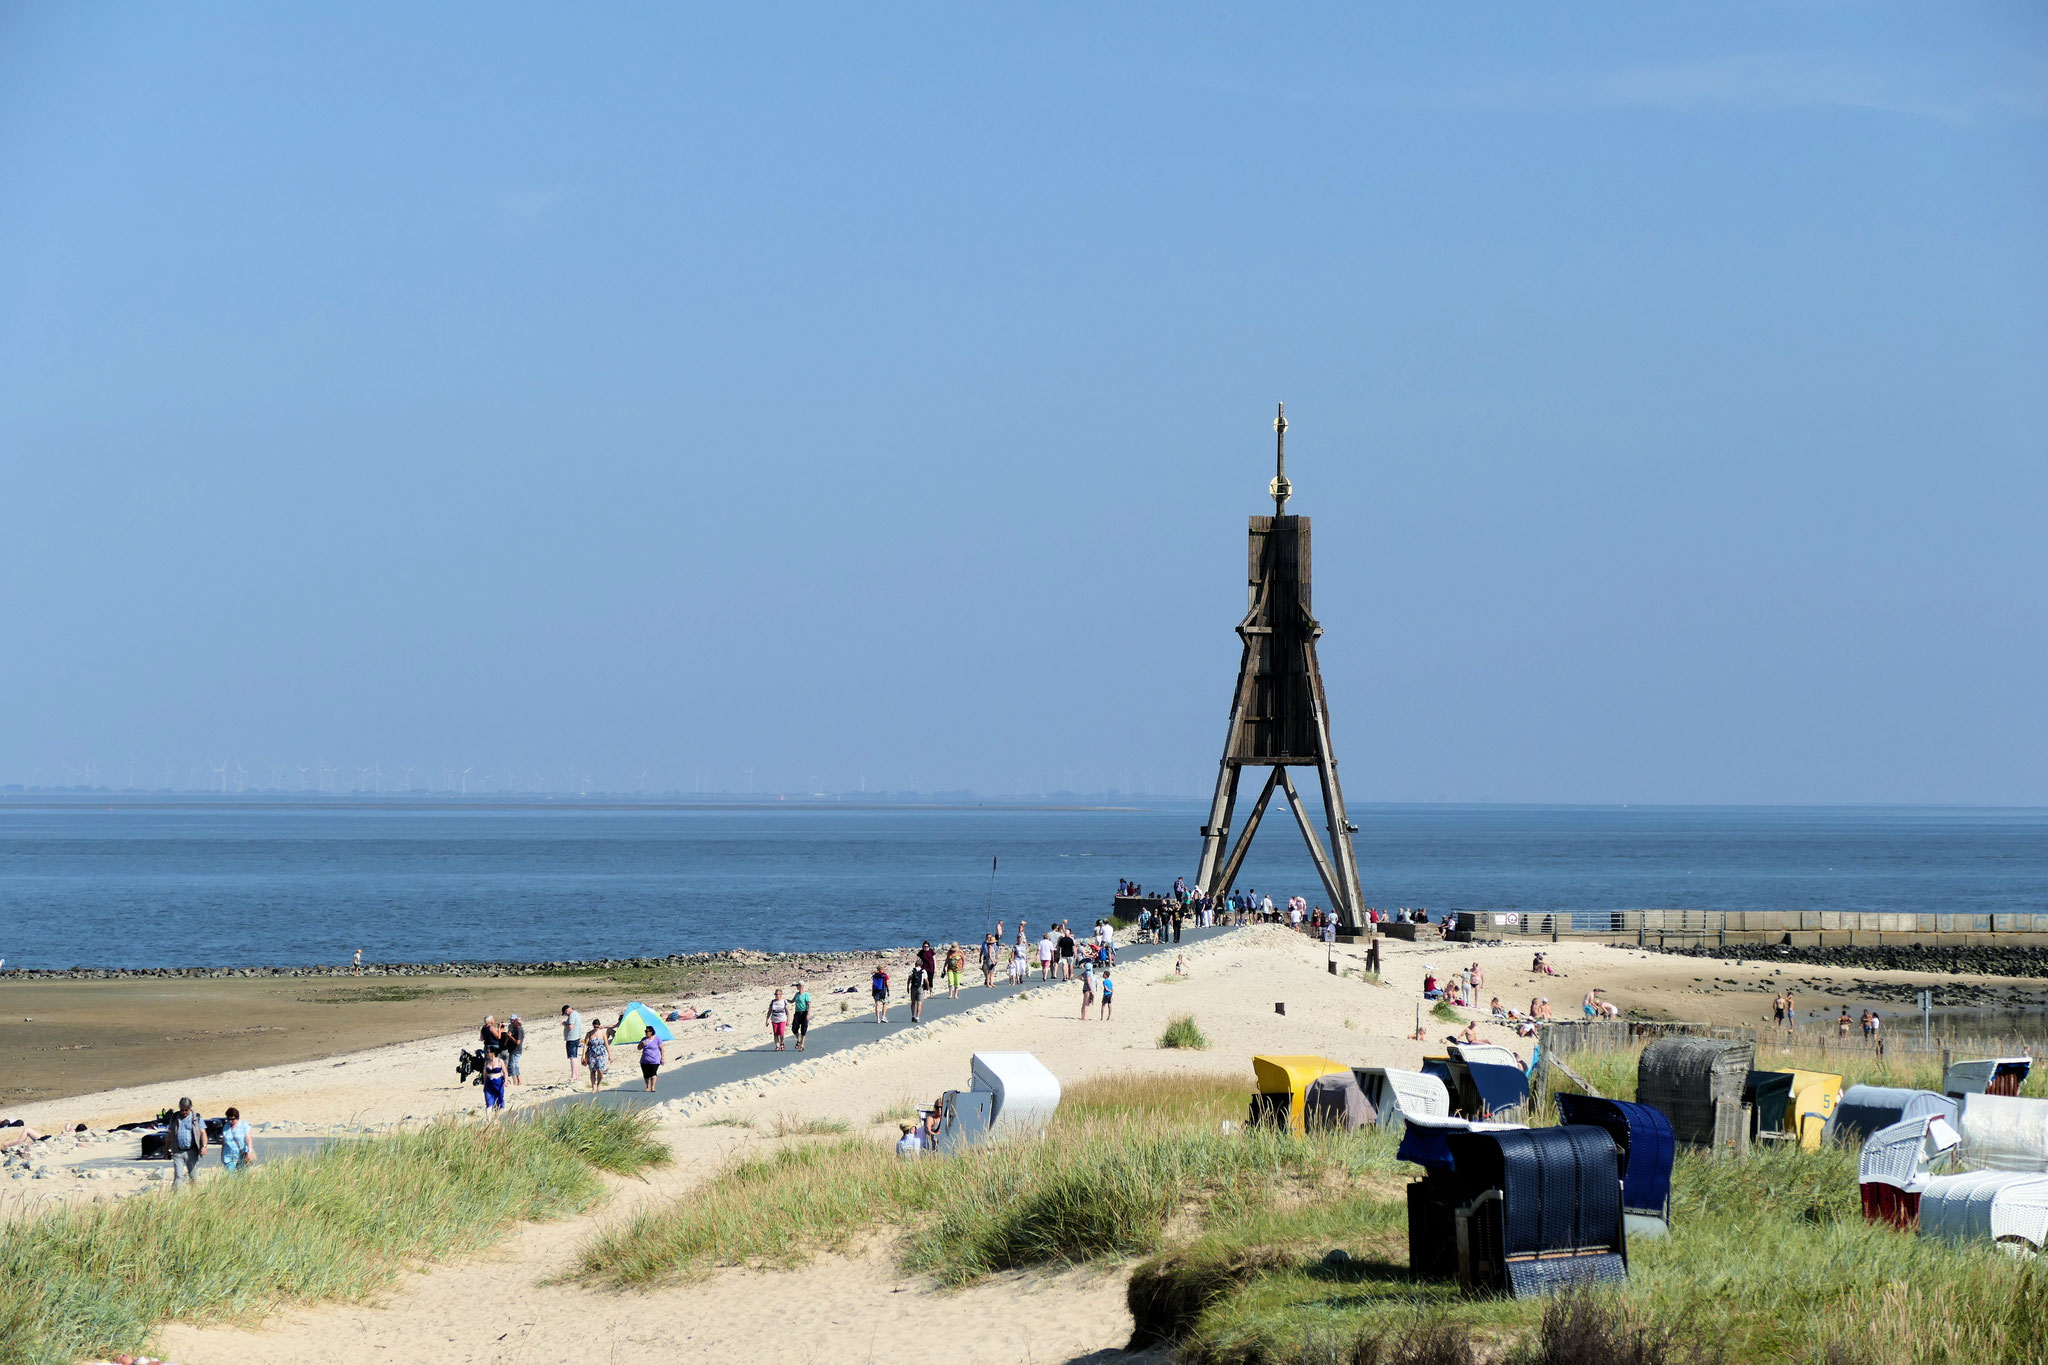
pixel 2004 1133
pixel 2006 1207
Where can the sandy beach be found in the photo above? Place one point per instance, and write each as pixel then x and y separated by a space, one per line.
pixel 503 1307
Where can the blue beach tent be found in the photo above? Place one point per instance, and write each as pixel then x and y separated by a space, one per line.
pixel 637 1022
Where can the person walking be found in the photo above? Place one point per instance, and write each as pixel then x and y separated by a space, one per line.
pixel 596 1053
pixel 1018 968
pixel 1087 987
pixel 1045 951
pixel 990 946
pixel 928 960
pixel 778 1021
pixel 919 984
pixel 572 1037
pixel 955 961
pixel 651 1056
pixel 515 1049
pixel 1066 947
pixel 800 1016
pixel 878 986
pixel 494 1081
pixel 1108 994
pixel 355 968
pixel 186 1142
pixel 237 1146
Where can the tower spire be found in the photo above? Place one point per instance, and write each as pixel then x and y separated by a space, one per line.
pixel 1280 488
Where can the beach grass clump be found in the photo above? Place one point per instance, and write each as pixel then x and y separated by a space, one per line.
pixel 1127 1159
pixel 1183 1032
pixel 1446 1011
pixel 793 1125
pixel 96 1279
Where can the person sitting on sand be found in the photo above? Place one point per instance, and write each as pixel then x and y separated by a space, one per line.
pixel 1432 989
pixel 1496 1009
pixel 912 1142
pixel 596 1053
pixel 878 986
pixel 1541 966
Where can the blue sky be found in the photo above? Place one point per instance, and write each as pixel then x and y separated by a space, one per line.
pixel 877 396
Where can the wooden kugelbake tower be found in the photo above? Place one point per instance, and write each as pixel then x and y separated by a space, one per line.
pixel 1279 717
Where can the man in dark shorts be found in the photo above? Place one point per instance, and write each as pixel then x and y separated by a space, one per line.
pixel 1066 952
pixel 800 1015
pixel 919 984
pixel 878 986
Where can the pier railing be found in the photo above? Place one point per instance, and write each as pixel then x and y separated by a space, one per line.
pixel 1753 926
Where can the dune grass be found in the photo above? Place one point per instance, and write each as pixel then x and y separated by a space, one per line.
pixel 1128 1159
pixel 97 1279
pixel 792 1125
pixel 1182 1031
pixel 1447 1012
pixel 1770 1261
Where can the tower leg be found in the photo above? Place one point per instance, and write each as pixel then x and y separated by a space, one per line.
pixel 1351 902
pixel 1228 877
pixel 1315 846
pixel 1217 831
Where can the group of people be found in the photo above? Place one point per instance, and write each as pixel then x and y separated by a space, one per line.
pixel 186 1142
pixel 1062 953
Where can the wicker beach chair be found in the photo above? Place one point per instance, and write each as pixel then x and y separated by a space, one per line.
pixel 1642 1135
pixel 2008 1208
pixel 1866 1108
pixel 1697 1084
pixel 1539 1210
pixel 1396 1095
pixel 2004 1133
pixel 1897 1162
pixel 1986 1076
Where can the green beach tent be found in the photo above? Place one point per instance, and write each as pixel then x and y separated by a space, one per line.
pixel 637 1022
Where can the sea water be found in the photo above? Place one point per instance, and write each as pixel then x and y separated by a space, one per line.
pixel 136 883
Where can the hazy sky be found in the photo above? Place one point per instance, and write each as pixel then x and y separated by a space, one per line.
pixel 878 393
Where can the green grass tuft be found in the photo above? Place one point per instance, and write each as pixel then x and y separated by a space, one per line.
pixel 790 1125
pixel 1182 1032
pixel 95 1280
pixel 1447 1012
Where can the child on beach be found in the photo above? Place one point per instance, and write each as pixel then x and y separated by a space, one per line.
pixel 1108 993
pixel 878 986
pixel 1180 964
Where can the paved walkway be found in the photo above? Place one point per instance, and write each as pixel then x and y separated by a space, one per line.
pixel 688 1078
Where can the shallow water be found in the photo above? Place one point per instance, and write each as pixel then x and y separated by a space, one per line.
pixel 243 882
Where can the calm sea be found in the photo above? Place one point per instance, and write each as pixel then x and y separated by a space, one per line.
pixel 142 884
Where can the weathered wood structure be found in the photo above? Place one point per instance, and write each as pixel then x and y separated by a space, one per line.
pixel 1279 717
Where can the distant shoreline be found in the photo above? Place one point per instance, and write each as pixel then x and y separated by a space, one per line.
pixel 729 957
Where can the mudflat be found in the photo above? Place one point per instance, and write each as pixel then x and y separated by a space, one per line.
pixel 63 1037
